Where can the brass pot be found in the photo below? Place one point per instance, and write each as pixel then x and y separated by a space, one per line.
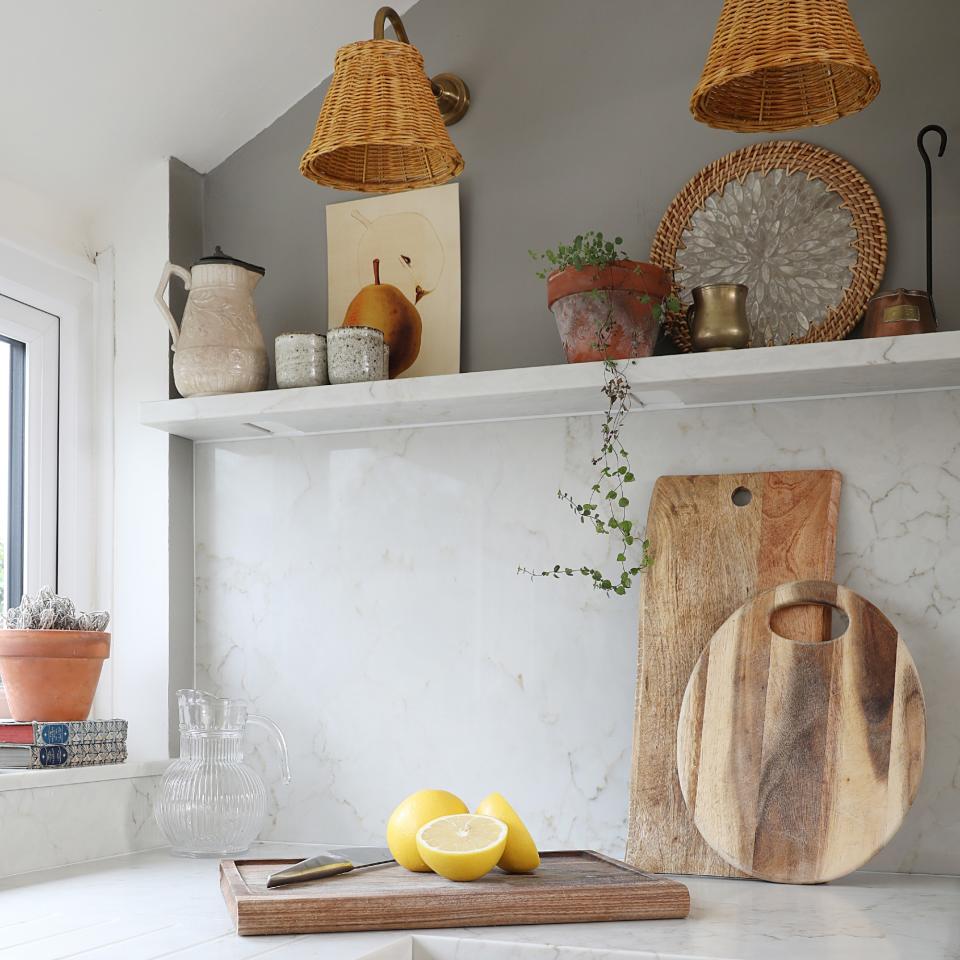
pixel 899 313
pixel 718 317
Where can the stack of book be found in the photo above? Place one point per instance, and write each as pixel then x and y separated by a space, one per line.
pixel 36 744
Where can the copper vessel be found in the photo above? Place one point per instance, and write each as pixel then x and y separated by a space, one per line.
pixel 900 312
pixel 893 314
pixel 718 317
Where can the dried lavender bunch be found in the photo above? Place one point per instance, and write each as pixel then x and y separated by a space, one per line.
pixel 47 611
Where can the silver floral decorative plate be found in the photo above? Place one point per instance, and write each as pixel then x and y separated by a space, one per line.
pixel 784 235
pixel 797 224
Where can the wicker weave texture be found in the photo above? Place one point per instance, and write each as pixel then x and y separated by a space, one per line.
pixel 837 174
pixel 780 65
pixel 379 129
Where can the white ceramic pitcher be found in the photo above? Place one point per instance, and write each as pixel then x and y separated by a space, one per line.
pixel 218 346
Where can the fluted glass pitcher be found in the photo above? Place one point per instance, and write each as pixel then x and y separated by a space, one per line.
pixel 211 804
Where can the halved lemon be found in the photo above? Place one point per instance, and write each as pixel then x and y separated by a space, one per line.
pixel 520 854
pixel 463 846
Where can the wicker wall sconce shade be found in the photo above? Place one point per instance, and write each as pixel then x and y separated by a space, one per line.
pixel 380 128
pixel 783 64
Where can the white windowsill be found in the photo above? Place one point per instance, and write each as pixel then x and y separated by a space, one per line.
pixel 34 779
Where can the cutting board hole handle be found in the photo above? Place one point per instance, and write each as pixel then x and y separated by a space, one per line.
pixel 741 497
pixel 809 622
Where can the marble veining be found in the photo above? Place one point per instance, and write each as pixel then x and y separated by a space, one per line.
pixel 361 590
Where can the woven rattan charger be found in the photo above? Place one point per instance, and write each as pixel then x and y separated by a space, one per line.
pixel 838 175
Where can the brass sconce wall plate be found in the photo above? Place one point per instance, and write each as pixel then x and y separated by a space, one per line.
pixel 453 97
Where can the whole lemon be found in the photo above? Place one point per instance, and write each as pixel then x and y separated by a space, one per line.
pixel 520 853
pixel 418 809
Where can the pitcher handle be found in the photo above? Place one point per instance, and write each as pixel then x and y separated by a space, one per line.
pixel 273 729
pixel 184 275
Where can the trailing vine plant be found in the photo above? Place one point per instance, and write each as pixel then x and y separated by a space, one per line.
pixel 607 505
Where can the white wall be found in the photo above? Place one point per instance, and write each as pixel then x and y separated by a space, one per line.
pixel 35 223
pixel 137 230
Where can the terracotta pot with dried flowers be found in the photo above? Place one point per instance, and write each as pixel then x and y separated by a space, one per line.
pixel 51 657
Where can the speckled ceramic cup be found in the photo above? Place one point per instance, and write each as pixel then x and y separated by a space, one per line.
pixel 355 355
pixel 301 360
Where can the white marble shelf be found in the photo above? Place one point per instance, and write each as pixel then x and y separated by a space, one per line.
pixel 806 371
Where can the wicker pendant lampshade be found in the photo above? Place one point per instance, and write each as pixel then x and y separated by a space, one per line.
pixel 382 128
pixel 783 64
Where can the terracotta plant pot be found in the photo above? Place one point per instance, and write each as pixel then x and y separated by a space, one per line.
pixel 579 311
pixel 51 674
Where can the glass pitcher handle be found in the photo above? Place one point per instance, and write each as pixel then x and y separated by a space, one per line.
pixel 277 733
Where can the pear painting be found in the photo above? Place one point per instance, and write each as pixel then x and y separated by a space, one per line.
pixel 382 305
pixel 408 248
pixel 394 264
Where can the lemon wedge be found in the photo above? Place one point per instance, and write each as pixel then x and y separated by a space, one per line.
pixel 419 808
pixel 463 846
pixel 520 854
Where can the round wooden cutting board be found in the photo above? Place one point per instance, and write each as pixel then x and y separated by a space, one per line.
pixel 798 761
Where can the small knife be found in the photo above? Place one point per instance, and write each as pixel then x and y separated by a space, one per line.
pixel 329 865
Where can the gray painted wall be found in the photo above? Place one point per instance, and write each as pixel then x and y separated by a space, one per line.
pixel 186 246
pixel 580 119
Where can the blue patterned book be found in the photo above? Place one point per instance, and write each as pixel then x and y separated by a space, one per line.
pixel 45 734
pixel 31 757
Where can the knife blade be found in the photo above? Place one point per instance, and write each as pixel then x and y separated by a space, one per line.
pixel 329 864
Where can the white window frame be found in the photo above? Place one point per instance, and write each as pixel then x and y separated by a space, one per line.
pixel 72 289
pixel 40 332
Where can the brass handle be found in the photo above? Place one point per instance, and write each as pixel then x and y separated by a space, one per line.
pixel 388 13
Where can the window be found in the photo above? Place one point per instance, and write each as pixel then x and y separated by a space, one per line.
pixel 29 372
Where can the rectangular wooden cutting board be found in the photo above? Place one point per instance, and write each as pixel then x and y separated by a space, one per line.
pixel 576 886
pixel 716 541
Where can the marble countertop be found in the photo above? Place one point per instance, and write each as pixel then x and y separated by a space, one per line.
pixel 149 905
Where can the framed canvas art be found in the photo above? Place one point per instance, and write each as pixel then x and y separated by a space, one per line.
pixel 393 262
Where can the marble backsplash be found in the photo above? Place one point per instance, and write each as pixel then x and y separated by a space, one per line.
pixel 362 591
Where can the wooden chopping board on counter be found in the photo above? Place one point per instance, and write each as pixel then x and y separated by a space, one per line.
pixel 716 541
pixel 798 761
pixel 577 886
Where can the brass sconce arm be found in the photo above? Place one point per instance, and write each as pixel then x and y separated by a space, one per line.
pixel 379 21
pixel 452 94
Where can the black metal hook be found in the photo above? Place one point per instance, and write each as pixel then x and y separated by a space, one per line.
pixel 929 128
